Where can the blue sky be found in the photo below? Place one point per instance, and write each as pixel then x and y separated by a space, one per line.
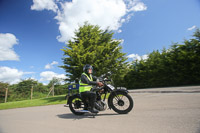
pixel 32 32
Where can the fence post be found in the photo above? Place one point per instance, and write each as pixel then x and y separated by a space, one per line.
pixel 53 89
pixel 31 92
pixel 6 94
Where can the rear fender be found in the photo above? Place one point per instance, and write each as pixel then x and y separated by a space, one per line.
pixel 114 92
pixel 71 97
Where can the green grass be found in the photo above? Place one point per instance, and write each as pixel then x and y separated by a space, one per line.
pixel 35 102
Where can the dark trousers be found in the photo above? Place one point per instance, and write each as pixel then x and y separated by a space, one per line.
pixel 91 97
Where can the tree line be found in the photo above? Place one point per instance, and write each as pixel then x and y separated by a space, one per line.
pixel 22 90
pixel 176 66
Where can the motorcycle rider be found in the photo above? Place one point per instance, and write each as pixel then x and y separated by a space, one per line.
pixel 86 82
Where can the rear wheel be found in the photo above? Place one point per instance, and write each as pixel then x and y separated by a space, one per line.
pixel 75 105
pixel 121 102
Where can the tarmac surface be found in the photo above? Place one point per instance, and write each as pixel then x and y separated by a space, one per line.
pixel 156 110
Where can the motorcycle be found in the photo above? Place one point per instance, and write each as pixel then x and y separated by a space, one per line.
pixel 118 99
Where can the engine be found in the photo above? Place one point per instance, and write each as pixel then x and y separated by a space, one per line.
pixel 100 105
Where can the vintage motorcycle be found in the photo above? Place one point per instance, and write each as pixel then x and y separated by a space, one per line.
pixel 118 99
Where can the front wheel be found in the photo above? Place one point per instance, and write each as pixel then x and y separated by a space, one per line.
pixel 121 102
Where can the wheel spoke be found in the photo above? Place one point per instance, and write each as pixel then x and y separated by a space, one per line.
pixel 116 104
pixel 116 98
pixel 121 97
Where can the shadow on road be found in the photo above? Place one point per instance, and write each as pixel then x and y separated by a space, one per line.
pixel 73 117
pixel 87 115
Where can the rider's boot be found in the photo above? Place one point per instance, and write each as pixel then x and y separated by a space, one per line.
pixel 93 110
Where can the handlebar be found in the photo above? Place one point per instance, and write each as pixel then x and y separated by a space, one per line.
pixel 107 80
pixel 97 88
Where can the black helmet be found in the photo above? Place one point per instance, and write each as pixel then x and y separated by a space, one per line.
pixel 87 67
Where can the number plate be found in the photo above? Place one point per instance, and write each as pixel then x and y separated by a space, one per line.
pixel 111 87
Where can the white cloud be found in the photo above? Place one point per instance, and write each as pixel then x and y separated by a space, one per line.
pixel 14 76
pixel 7 41
pixel 137 57
pixel 50 66
pixel 135 5
pixel 192 28
pixel 49 75
pixel 119 31
pixel 10 75
pixel 105 13
pixel 44 4
pixel 144 57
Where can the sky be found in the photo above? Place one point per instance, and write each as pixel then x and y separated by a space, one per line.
pixel 33 32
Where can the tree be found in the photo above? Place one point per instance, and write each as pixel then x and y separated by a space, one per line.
pixel 24 86
pixel 54 81
pixel 94 46
pixel 3 87
pixel 197 34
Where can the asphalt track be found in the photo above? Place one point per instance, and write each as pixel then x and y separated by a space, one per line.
pixel 160 110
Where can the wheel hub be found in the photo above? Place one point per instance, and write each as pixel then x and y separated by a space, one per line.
pixel 121 103
pixel 77 104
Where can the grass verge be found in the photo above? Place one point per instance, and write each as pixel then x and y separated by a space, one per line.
pixel 35 102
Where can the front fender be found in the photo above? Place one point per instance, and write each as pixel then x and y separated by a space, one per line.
pixel 71 97
pixel 114 92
